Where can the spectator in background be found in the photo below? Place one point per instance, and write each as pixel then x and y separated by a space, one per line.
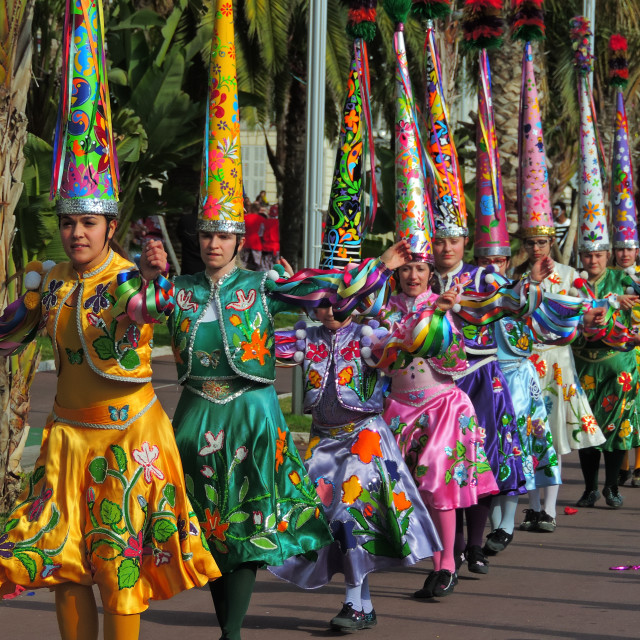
pixel 261 200
pixel 251 253
pixel 561 223
pixel 271 239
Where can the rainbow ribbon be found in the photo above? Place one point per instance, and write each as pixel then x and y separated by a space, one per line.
pixel 143 302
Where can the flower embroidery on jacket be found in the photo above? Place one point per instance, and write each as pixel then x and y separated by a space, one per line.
pixel 145 457
pixel 317 352
pixel 624 380
pixel 101 299
pixel 50 299
pixel 245 301
pixel 351 351
pixel 213 527
pixel 345 376
pixel 256 349
pixel 367 445
pixel 184 300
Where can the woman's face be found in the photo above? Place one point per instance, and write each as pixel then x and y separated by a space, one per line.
pixel 625 257
pixel 537 247
pixel 325 315
pixel 595 262
pixel 218 249
pixel 448 252
pixel 85 239
pixel 414 278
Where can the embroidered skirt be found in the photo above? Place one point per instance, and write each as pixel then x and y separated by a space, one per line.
pixel 106 505
pixel 377 518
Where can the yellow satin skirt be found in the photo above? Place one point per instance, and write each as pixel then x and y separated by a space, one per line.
pixel 106 505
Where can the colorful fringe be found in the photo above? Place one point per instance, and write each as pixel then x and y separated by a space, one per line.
pixel 143 302
pixel 528 20
pixel 431 9
pixel 618 61
pixel 361 20
pixel 482 24
pixel 18 327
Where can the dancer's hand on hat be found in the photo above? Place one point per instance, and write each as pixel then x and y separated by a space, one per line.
pixel 595 317
pixel 397 255
pixel 446 301
pixel 153 260
pixel 627 302
pixel 288 269
pixel 542 269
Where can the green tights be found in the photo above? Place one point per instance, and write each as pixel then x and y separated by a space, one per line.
pixel 231 595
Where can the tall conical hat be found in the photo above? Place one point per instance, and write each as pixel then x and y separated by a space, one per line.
pixel 594 235
pixel 414 213
pixel 221 201
pixel 85 168
pixel 449 210
pixel 345 224
pixel 623 203
pixel 492 237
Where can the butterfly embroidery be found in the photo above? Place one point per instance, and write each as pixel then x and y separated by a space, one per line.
pixel 75 357
pixel 209 359
pixel 119 414
pixel 416 396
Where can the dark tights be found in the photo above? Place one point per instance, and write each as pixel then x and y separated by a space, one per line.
pixel 231 595
pixel 590 463
pixel 476 517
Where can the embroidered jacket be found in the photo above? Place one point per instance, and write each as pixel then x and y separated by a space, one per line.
pixel 113 306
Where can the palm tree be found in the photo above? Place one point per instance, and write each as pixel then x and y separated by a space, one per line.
pixel 16 372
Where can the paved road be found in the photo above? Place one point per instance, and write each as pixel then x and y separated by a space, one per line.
pixel 543 586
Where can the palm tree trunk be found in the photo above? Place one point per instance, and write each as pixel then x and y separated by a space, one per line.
pixel 16 372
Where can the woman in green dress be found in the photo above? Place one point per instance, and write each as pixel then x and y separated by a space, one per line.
pixel 244 476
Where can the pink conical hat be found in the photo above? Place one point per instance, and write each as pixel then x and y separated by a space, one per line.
pixel 492 237
pixel 534 205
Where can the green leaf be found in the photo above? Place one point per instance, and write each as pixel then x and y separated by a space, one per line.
pixel 105 348
pixel 163 529
pixel 447 477
pixel 238 516
pixel 169 492
pixel 110 512
pixel 460 449
pixel 243 489
pixel 484 228
pixel 381 547
pixel 142 19
pixel 305 516
pixel 37 475
pixel 356 514
pixel 28 563
pixel 211 492
pixel 270 521
pixel 128 573
pixel 263 543
pixel 404 525
pixel 236 340
pixel 130 360
pixel 120 456
pixel 53 520
pixel 494 223
pixel 188 481
pixel 421 470
pixel 483 467
pixel 10 524
pixel 98 469
pixel 220 546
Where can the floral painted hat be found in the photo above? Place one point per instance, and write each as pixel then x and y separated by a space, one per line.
pixel 221 199
pixel 85 167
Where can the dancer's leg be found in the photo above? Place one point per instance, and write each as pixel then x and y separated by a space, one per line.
pixel 76 612
pixel 365 596
pixel 589 463
pixel 118 627
pixel 551 494
pixel 612 462
pixel 508 506
pixel 477 517
pixel 445 522
pixel 239 584
pixel 495 512
pixel 353 595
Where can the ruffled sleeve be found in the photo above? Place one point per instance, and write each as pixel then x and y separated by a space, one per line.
pixel 144 302
pixel 363 288
pixel 19 324
pixel 286 344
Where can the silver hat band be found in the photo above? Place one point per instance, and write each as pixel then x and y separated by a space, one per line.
pixel 588 247
pixel 451 232
pixel 79 206
pixel 482 252
pixel 222 226
pixel 626 244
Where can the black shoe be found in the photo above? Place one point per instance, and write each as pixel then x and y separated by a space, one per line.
pixel 635 481
pixel 497 541
pixel 476 560
pixel 348 620
pixel 623 476
pixel 370 620
pixel 546 523
pixel 445 583
pixel 530 520
pixel 429 584
pixel 589 498
pixel 459 558
pixel 612 497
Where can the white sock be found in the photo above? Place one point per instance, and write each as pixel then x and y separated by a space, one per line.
pixel 365 596
pixel 509 505
pixel 551 494
pixel 495 513
pixel 353 596
pixel 534 500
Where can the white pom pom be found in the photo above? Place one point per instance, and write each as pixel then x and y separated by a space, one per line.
pixel 47 265
pixel 574 292
pixel 456 308
pixel 584 275
pixel 489 278
pixel 301 334
pixel 32 280
pixel 365 352
pixel 630 290
pixel 273 275
pixel 298 356
pixel 613 302
pixel 366 331
pixel 631 270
